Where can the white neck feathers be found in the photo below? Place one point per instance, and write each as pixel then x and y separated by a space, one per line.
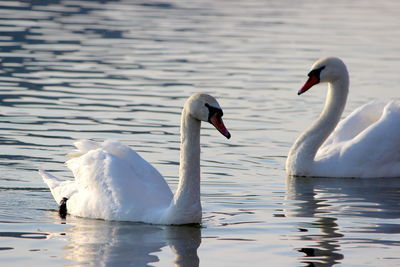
pixel 302 154
pixel 186 202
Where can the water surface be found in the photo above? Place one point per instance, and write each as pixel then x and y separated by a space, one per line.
pixel 123 69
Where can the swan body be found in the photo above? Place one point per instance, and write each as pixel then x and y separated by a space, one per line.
pixel 365 144
pixel 113 182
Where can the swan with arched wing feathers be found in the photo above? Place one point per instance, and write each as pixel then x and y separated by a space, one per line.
pixel 365 144
pixel 113 182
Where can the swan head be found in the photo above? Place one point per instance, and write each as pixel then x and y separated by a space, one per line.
pixel 328 69
pixel 204 107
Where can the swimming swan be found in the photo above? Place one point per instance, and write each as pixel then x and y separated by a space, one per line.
pixel 113 182
pixel 365 144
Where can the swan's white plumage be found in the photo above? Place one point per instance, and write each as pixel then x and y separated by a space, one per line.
pixel 356 122
pixel 59 188
pixel 113 182
pixel 365 144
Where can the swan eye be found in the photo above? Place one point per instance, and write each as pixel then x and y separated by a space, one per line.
pixel 316 72
pixel 213 110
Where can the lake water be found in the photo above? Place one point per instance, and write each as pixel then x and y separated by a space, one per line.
pixel 123 69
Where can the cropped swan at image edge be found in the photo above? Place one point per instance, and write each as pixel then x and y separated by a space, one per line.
pixel 364 144
pixel 113 182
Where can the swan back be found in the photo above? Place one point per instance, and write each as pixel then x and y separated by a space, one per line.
pixel 112 182
pixel 355 123
pixel 371 152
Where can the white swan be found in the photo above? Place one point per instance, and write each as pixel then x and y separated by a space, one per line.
pixel 365 144
pixel 113 182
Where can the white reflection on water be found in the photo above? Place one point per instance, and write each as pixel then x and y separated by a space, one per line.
pixel 100 243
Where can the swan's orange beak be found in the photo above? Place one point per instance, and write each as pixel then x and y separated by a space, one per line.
pixel 313 80
pixel 216 120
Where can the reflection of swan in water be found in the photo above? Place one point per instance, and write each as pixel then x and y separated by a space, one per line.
pixel 102 243
pixel 184 242
pixel 327 200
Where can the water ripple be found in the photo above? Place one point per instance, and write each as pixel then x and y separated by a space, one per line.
pixel 123 69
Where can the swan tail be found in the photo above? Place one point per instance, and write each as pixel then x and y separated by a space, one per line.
pixel 59 188
pixel 51 180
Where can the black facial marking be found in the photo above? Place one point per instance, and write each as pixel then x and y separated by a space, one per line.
pixel 316 72
pixel 212 111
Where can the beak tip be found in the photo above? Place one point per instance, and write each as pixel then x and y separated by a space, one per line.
pixel 312 80
pixel 219 125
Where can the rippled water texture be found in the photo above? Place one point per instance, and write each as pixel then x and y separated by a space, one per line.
pixel 123 69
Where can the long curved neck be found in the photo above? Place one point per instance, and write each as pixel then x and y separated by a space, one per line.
pixel 187 195
pixel 303 152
